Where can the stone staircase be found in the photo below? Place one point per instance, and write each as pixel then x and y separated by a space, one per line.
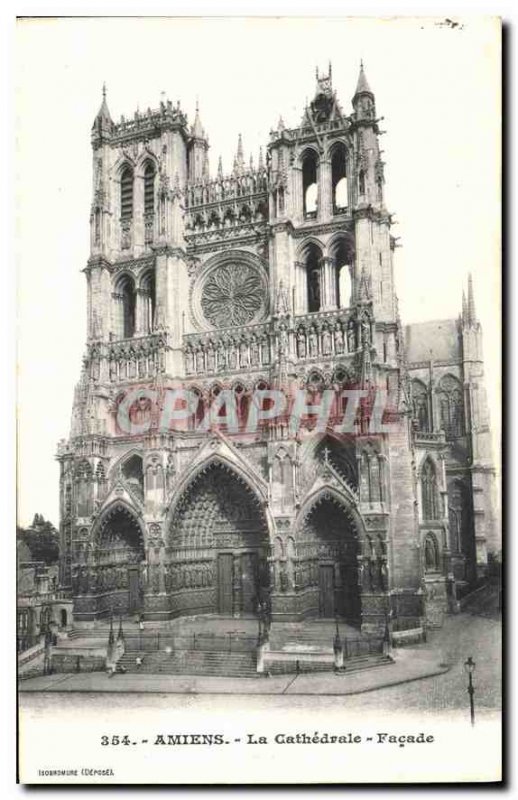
pixel 312 665
pixel 192 662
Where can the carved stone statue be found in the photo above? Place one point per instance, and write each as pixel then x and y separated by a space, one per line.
pixel 339 339
pixel 301 344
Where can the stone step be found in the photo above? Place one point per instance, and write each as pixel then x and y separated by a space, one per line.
pixel 289 666
pixel 191 662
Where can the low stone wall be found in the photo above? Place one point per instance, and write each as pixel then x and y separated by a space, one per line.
pixel 412 636
pixel 73 662
pixel 286 663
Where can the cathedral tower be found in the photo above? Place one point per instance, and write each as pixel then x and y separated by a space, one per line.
pixel 276 276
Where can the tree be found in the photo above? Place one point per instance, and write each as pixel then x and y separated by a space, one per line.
pixel 42 539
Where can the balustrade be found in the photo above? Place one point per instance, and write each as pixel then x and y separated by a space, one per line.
pixel 228 350
pixel 325 334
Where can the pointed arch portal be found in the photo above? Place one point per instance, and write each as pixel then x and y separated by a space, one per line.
pixel 329 550
pixel 218 546
pixel 116 572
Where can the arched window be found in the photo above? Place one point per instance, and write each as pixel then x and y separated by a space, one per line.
pixel 124 297
pixel 343 259
pixel 312 259
pixel 148 302
pixel 309 184
pixel 127 194
pixel 133 471
pixel 429 494
pixel 420 406
pixel 451 407
pixel 431 554
pixel 149 189
pixel 339 178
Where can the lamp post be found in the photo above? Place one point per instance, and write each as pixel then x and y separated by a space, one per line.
pixel 470 666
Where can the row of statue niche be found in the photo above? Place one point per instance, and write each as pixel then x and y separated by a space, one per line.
pixel 230 219
pixel 93 580
pixel 339 338
pixel 219 356
pixel 129 366
pixel 192 576
pixel 232 186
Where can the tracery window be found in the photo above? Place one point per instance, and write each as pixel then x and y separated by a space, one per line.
pixel 451 407
pixel 149 189
pixel 127 194
pixel 429 493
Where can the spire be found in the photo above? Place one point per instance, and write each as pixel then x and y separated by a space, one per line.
pixel 220 168
pixel 472 316
pixel 362 87
pixel 197 128
pixel 251 163
pixel 261 159
pixel 103 122
pixel 240 158
pixel 464 307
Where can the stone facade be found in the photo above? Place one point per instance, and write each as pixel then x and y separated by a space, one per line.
pixel 279 274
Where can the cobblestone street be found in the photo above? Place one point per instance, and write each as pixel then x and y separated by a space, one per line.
pixel 461 636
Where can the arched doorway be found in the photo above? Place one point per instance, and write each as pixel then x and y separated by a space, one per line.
pixel 119 559
pixel 328 547
pixel 218 547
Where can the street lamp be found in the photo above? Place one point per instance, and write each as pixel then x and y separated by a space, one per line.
pixel 470 666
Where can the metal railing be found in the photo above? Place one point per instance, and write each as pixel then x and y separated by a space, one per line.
pixel 225 643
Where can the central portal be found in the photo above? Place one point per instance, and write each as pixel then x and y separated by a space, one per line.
pixel 218 547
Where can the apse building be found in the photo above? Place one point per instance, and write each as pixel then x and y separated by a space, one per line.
pixel 280 274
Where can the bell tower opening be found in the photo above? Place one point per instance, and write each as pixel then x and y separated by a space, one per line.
pixel 313 265
pixel 309 184
pixel 339 178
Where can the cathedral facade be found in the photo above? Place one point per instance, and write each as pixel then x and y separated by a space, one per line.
pixel 278 275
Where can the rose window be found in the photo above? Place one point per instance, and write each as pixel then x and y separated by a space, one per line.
pixel 233 294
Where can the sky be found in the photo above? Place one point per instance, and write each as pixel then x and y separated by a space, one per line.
pixel 437 88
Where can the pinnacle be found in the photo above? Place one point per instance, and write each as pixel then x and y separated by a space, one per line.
pixel 362 87
pixel 103 115
pixel 197 128
pixel 472 316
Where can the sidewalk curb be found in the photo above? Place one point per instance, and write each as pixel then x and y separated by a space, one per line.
pixel 282 692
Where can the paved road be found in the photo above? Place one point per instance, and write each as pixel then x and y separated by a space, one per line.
pixel 461 636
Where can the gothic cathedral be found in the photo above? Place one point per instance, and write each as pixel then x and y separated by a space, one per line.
pixel 278 274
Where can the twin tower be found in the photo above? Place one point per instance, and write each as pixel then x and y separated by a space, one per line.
pixel 278 273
